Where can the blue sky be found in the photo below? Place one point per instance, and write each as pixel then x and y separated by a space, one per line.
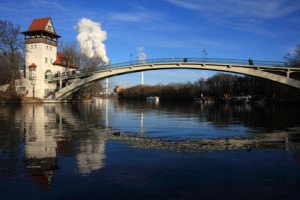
pixel 260 29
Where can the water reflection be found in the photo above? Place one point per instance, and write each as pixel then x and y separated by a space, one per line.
pixel 85 125
pixel 45 136
pixel 40 148
pixel 91 155
pixel 49 129
pixel 210 121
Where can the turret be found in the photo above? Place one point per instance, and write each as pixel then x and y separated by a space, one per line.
pixel 41 52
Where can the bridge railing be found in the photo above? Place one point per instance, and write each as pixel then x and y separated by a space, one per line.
pixel 196 60
pixel 83 72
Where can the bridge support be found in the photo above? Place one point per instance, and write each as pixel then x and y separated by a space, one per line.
pixel 60 84
pixel 106 85
pixel 288 73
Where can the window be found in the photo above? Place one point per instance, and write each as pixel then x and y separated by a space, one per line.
pixel 32 73
pixel 46 60
pixel 35 46
pixel 31 46
pixel 50 48
pixel 48 74
pixel 47 47
pixel 51 61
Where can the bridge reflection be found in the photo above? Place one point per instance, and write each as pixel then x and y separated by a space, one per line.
pixel 57 132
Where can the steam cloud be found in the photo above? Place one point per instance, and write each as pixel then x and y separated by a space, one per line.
pixel 141 55
pixel 91 37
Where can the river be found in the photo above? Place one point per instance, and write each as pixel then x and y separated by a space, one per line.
pixel 112 149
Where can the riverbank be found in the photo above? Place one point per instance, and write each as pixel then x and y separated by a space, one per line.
pixel 20 100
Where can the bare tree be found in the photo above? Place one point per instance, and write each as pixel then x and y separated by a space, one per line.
pixel 202 85
pixel 93 89
pixel 11 53
pixel 295 60
pixel 73 57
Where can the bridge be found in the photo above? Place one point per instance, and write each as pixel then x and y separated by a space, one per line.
pixel 274 71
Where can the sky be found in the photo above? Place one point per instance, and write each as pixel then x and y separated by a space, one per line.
pixel 257 29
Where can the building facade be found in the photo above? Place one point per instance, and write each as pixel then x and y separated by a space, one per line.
pixel 42 58
pixel 119 88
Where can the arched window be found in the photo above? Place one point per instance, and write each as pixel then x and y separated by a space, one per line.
pixel 48 73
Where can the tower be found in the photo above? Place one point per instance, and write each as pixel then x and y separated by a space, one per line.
pixel 41 54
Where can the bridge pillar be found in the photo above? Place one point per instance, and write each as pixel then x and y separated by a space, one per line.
pixel 288 73
pixel 60 84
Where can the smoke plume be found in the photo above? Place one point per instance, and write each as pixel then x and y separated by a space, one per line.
pixel 91 37
pixel 141 55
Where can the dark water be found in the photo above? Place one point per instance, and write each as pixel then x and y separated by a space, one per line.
pixel 134 150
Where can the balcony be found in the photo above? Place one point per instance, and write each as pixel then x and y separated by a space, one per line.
pixel 40 40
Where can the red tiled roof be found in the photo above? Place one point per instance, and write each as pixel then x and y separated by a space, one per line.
pixel 59 60
pixel 32 65
pixel 40 25
pixel 41 179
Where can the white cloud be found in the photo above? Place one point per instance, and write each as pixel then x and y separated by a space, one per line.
pixel 139 14
pixel 267 9
pixel 249 16
pixel 44 4
pixel 130 16
pixel 91 37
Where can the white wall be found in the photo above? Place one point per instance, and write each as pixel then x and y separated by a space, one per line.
pixel 37 53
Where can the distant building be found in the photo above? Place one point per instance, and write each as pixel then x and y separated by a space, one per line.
pixel 42 58
pixel 119 88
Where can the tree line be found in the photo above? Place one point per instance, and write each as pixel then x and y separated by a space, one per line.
pixel 219 87
pixel 11 55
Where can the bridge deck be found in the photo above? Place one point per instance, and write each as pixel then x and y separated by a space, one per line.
pixel 274 71
pixel 263 65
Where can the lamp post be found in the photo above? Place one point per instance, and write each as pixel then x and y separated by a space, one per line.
pixel 204 55
pixel 142 78
pixel 287 59
pixel 142 73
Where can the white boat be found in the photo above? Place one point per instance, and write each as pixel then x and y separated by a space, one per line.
pixel 153 99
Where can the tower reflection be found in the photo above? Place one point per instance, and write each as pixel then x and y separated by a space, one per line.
pixel 40 148
pixel 51 129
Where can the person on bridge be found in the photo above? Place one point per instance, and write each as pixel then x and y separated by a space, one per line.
pixel 250 61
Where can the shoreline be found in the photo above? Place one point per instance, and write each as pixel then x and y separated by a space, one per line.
pixel 23 100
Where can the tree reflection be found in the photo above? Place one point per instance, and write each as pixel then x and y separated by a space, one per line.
pixel 10 137
pixel 51 132
pixel 267 118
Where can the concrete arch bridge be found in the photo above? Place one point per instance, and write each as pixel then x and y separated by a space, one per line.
pixel 274 71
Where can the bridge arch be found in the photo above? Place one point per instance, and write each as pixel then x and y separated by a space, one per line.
pixel 266 72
